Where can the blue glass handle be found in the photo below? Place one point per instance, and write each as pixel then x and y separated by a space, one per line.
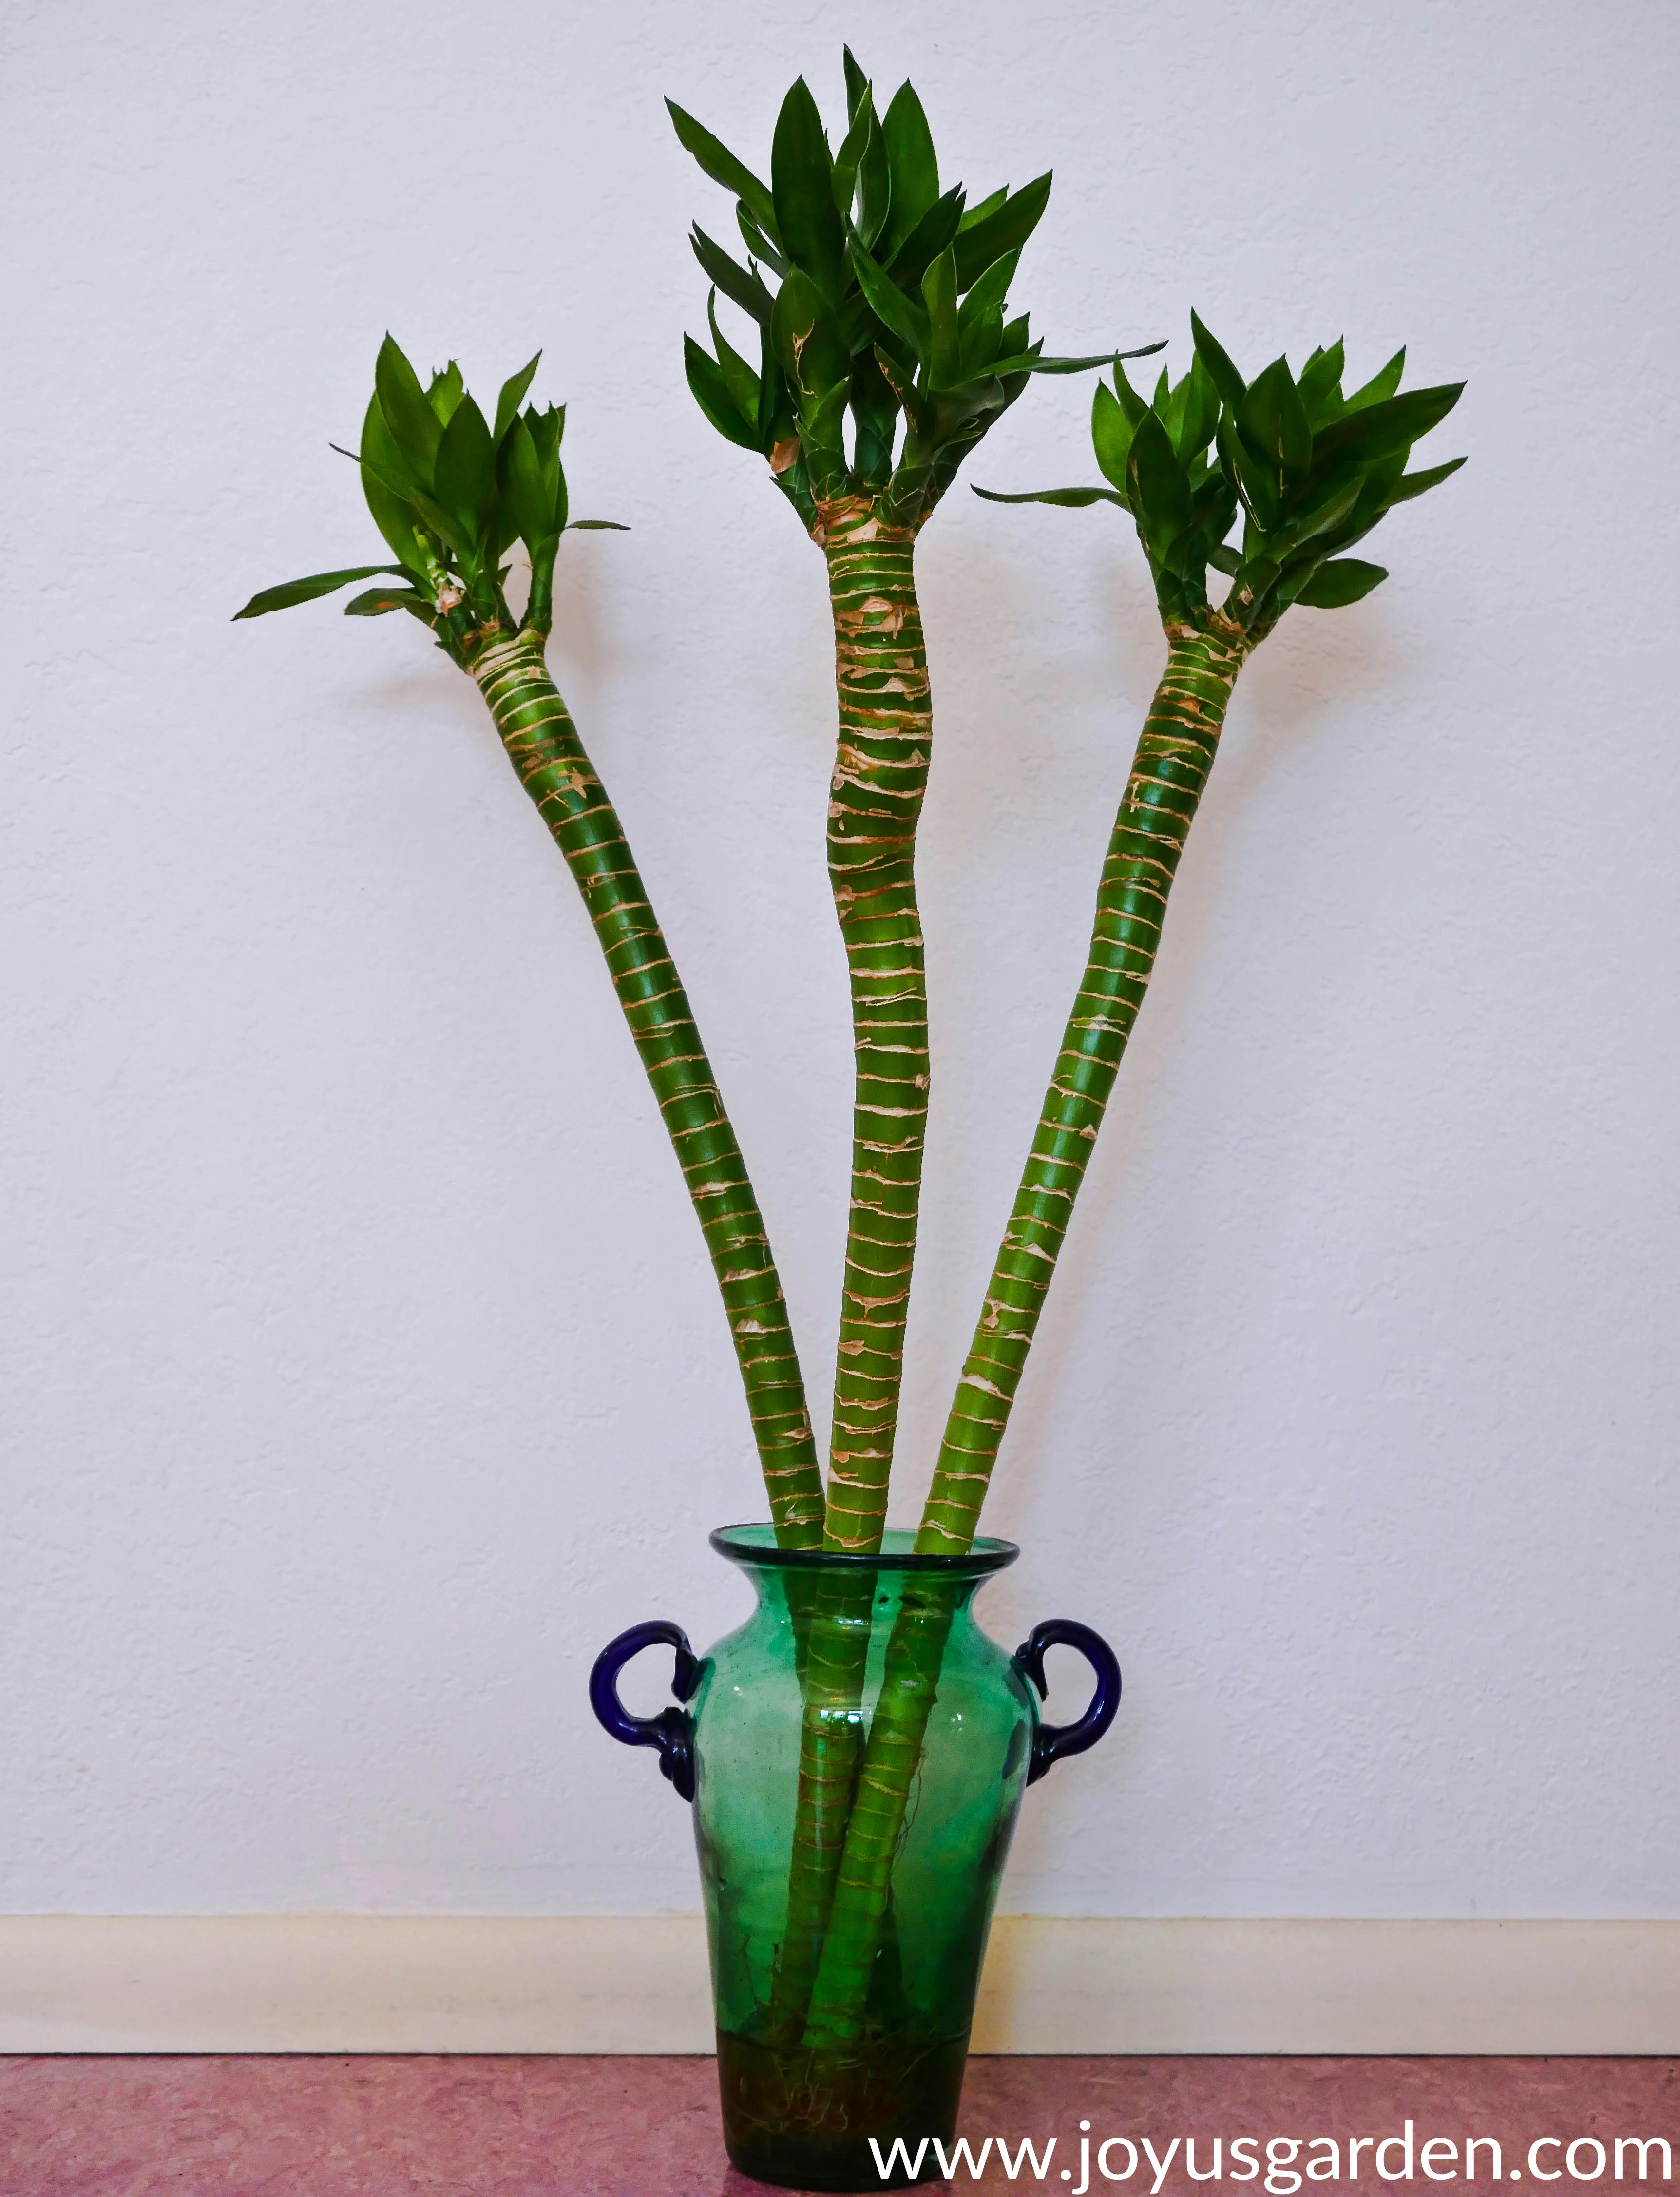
pixel 672 1730
pixel 1051 1741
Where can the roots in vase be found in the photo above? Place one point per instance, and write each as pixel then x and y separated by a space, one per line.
pixel 802 2118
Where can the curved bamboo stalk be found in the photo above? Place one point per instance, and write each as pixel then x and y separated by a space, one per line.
pixel 880 777
pixel 1174 756
pixel 542 745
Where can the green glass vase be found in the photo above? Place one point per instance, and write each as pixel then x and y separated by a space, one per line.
pixel 856 1754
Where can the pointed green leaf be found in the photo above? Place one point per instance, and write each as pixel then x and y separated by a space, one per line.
pixel 739 378
pixel 563 506
pixel 875 420
pixel 874 186
pixel 1171 415
pixel 916 411
pixel 1030 362
pixel 1070 499
pixel 961 410
pixel 978 342
pixel 1198 411
pixel 1381 385
pixel 929 237
pixel 465 482
pixel 1215 505
pixel 939 291
pixel 821 420
pixel 758 245
pixel 857 85
pixel 743 287
pixel 512 397
pixel 1273 421
pixel 597 526
pixel 711 394
pixel 778 421
pixel 1320 384
pixel 1156 487
pixel 547 430
pixel 1132 405
pixel 414 426
pixel 913 166
pixel 1006 230
pixel 849 158
pixel 990 291
pixel 376 601
pixel 395 519
pixel 717 161
pixel 907 317
pixel 1319 531
pixel 1226 379
pixel 812 354
pixel 1323 516
pixel 981 208
pixel 393 514
pixel 1381 477
pixel 1390 424
pixel 809 225
pixel 1412 485
pixel 1343 580
pixel 1249 476
pixel 400 485
pixel 530 499
pixel 305 591
pixel 1023 362
pixel 1110 433
pixel 444 391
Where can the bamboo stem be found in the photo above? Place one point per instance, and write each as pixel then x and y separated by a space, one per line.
pixel 880 777
pixel 542 745
pixel 863 1879
pixel 1174 756
pixel 830 1743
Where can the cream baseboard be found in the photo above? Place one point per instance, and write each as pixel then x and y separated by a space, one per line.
pixel 347 1983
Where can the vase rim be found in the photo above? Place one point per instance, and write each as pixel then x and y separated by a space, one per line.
pixel 755 1543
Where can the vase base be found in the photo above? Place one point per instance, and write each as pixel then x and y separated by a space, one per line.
pixel 800 2120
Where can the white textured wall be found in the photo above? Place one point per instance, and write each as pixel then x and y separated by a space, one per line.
pixel 364 1370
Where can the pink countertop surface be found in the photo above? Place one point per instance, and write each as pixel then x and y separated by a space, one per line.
pixel 621 2127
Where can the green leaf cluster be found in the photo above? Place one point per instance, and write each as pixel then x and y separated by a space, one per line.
pixel 1309 471
pixel 451 494
pixel 886 345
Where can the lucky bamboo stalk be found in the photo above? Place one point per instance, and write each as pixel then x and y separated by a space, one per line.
pixel 1169 773
pixel 890 306
pixel 450 496
pixel 880 776
pixel 1311 472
